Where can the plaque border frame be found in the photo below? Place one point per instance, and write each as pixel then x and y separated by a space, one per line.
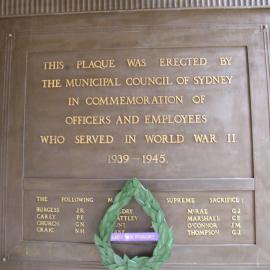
pixel 85 264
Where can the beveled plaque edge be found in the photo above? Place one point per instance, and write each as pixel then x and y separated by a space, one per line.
pixel 6 59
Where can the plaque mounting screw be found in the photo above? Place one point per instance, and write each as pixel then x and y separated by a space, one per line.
pixel 10 35
pixel 264 27
pixel 4 259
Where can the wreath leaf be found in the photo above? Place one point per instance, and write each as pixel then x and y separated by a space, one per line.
pixel 162 251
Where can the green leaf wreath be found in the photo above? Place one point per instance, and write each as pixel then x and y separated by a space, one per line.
pixel 162 251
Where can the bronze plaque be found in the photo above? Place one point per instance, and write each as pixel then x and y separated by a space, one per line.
pixel 149 113
pixel 196 217
pixel 90 102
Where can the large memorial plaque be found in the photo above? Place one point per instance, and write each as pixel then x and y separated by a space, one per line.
pixel 90 102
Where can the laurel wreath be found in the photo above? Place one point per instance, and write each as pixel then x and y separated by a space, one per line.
pixel 162 251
